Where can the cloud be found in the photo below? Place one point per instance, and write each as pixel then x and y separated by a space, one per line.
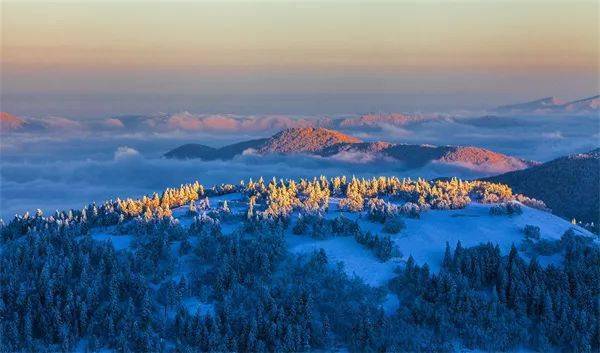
pixel 63 170
pixel 556 135
pixel 394 130
pixel 250 152
pixel 54 123
pixel 356 157
pixel 51 185
pixel 113 123
pixel 187 121
pixel 125 152
pixel 225 123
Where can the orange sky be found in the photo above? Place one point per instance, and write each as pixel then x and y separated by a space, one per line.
pixel 57 45
pixel 247 36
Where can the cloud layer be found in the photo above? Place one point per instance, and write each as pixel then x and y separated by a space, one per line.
pixel 66 184
pixel 62 163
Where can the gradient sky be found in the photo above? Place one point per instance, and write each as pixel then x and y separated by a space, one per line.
pixel 457 53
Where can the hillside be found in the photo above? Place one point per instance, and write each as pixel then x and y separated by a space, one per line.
pixel 569 185
pixel 192 150
pixel 415 156
pixel 331 143
pixel 199 151
pixel 230 151
pixel 305 140
pixel 480 157
pixel 334 264
pixel 360 147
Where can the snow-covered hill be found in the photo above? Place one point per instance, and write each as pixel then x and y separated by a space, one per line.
pixel 351 251
pixel 424 239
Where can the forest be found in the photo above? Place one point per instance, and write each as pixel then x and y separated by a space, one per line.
pixel 63 290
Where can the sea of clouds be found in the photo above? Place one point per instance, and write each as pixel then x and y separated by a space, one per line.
pixel 59 163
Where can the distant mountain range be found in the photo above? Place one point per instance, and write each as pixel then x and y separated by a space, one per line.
pixel 206 153
pixel 229 123
pixel 569 185
pixel 9 122
pixel 330 143
pixel 553 105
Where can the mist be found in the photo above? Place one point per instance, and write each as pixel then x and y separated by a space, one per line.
pixel 60 162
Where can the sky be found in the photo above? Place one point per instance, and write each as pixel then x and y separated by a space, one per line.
pixel 91 59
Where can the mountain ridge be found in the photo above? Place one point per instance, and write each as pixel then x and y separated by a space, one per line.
pixel 330 143
pixel 553 105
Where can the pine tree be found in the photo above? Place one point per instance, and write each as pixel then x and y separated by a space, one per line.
pixel 448 260
pixel 146 310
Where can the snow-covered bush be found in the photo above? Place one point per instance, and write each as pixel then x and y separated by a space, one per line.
pixel 532 232
pixel 192 209
pixel 344 226
pixel 508 208
pixel 393 225
pixel 205 225
pixel 314 225
pixel 303 223
pixel 411 210
pixel 382 247
pixel 223 189
pixel 196 207
pixel 319 227
pixel 533 203
pixel 185 245
pixel 379 210
pixel 203 204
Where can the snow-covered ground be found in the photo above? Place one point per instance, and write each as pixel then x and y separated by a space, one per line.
pixel 424 239
pixel 119 242
pixel 357 259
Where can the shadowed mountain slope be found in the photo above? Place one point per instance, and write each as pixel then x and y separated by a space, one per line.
pixel 207 153
pixel 191 151
pixel 569 185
